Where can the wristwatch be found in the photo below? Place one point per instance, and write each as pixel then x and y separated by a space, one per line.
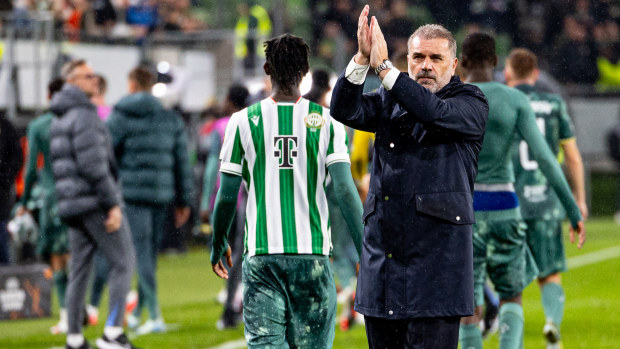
pixel 386 64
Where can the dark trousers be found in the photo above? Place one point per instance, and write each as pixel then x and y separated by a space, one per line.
pixel 424 333
pixel 87 235
pixel 146 223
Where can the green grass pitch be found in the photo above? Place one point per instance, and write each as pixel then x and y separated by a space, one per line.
pixel 187 290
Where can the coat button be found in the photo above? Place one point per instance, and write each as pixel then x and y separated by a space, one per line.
pixel 390 312
pixel 458 218
pixel 391 145
pixel 386 198
pixel 389 255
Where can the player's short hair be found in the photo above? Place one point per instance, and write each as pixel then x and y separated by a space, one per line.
pixel 522 62
pixel 478 51
pixel 67 70
pixel 54 86
pixel 320 79
pixel 238 95
pixel 433 31
pixel 102 84
pixel 142 77
pixel 287 56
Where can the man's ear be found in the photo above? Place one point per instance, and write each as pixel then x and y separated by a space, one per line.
pixel 267 68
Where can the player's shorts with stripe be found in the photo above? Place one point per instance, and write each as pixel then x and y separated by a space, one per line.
pixel 544 238
pixel 501 252
pixel 289 301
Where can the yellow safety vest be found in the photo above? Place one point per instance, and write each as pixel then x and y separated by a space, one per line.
pixel 263 30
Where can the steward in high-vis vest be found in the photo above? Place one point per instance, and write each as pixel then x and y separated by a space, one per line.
pixel 253 25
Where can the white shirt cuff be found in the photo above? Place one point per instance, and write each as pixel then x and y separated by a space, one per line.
pixel 356 73
pixel 390 78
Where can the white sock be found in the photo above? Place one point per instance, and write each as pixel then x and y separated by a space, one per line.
pixel 75 340
pixel 63 315
pixel 112 332
pixel 91 309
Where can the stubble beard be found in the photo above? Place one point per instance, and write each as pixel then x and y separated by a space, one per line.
pixel 431 82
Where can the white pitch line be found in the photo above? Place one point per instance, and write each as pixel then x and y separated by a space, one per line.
pixel 593 257
pixel 573 263
pixel 237 344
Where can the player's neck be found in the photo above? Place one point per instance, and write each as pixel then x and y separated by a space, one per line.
pixel 289 94
pixel 514 83
pixel 479 75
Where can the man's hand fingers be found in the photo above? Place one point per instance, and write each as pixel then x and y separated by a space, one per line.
pixel 363 20
pixel 112 225
pixel 228 256
pixel 582 235
pixel 219 270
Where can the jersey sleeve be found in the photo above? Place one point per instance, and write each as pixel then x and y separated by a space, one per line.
pixel 31 163
pixel 337 149
pixel 566 124
pixel 231 155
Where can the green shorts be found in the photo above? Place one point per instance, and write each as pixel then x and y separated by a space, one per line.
pixel 289 301
pixel 501 252
pixel 53 233
pixel 544 237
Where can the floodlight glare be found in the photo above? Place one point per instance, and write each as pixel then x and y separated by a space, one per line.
pixel 163 67
pixel 159 89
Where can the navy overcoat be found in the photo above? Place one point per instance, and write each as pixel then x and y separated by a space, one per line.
pixel 417 256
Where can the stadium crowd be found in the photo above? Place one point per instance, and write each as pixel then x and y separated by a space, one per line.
pixel 586 49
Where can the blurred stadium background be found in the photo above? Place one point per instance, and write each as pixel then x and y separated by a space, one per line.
pixel 200 47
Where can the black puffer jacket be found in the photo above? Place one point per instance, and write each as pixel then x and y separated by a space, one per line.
pixel 82 158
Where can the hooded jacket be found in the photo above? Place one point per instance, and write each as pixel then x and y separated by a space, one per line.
pixel 150 145
pixel 82 159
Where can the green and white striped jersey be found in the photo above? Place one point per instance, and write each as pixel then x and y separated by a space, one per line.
pixel 282 150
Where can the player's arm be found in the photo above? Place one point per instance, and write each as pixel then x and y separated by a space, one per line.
pixel 348 200
pixel 575 176
pixel 210 174
pixel 223 216
pixel 528 129
pixel 231 157
pixel 31 167
pixel 339 167
pixel 573 161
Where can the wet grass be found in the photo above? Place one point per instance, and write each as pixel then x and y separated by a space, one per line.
pixel 188 289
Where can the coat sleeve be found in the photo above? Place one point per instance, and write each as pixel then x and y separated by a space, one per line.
pixel 182 172
pixel 90 147
pixel 464 114
pixel 117 129
pixel 352 107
